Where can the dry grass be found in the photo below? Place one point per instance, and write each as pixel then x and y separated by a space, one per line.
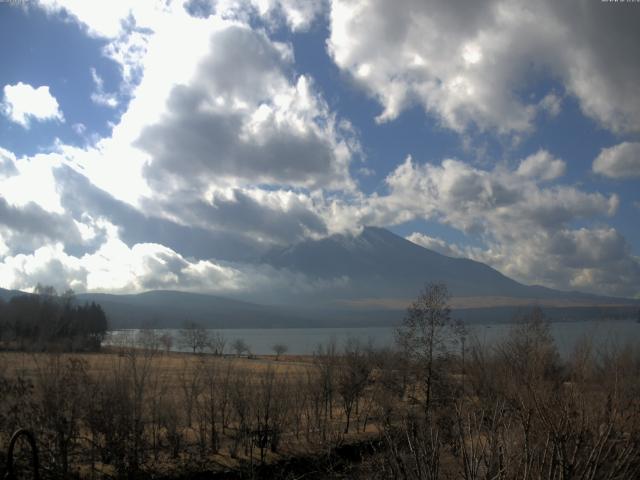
pixel 172 364
pixel 167 375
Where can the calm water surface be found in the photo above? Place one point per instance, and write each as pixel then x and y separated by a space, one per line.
pixel 606 334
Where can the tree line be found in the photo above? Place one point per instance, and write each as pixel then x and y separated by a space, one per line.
pixel 46 320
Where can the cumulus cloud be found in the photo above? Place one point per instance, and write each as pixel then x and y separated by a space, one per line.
pixel 28 226
pixel 597 260
pixel 620 161
pixel 241 118
pixel 30 180
pixel 279 216
pixel 542 165
pixel 468 65
pixel 241 225
pixel 23 103
pixel 481 201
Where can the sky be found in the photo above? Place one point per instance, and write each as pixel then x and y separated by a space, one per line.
pixel 170 144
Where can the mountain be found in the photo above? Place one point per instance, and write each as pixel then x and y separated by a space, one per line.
pixel 381 266
pixel 7 294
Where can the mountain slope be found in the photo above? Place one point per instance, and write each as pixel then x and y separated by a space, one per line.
pixel 380 264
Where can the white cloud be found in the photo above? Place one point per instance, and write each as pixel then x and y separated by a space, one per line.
pixel 620 161
pixel 542 165
pixel 467 64
pixel 551 104
pixel 49 265
pixel 23 103
pixel 481 201
pixel 597 260
pixel 436 244
pixel 33 181
pixel 101 97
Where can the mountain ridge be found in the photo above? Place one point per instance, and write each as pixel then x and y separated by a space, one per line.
pixel 390 259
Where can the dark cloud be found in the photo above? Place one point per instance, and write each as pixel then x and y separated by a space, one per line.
pixel 228 124
pixel 78 195
pixel 238 228
pixel 29 225
pixel 191 148
pixel 603 65
pixel 245 214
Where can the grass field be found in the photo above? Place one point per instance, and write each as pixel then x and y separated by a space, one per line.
pixel 174 410
pixel 511 411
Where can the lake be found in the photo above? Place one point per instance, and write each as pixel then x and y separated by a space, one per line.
pixel 304 341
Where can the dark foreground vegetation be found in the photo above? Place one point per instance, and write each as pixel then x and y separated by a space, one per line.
pixel 48 321
pixel 429 409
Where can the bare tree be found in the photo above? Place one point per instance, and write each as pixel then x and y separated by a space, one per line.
pixel 353 377
pixel 213 402
pixel 217 343
pixel 426 332
pixel 324 385
pixel 194 337
pixel 62 386
pixel 240 346
pixel 191 386
pixel 279 349
pixel 529 350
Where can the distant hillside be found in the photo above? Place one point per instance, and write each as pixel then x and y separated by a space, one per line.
pixel 163 308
